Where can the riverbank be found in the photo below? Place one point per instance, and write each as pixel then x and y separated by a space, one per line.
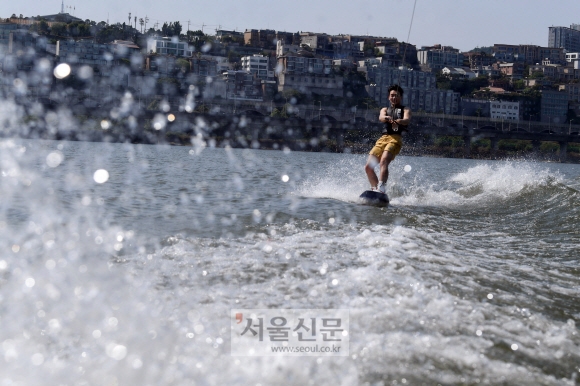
pixel 442 147
pixel 275 134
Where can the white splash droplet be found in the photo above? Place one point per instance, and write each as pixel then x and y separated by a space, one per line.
pixel 54 159
pixel 101 176
pixel 62 71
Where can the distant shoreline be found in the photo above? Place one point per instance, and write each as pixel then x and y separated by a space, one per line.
pixel 412 150
pixel 273 134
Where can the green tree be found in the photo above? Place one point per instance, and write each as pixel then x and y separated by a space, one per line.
pixel 59 29
pixel 233 57
pixel 354 84
pixel 276 113
pixel 233 39
pixel 198 39
pixel 487 50
pixel 368 47
pixel 183 64
pixel 519 84
pixel 171 29
pixel 293 96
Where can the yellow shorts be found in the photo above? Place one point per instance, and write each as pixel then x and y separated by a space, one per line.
pixel 391 143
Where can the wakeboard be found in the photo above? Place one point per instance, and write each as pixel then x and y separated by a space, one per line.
pixel 371 197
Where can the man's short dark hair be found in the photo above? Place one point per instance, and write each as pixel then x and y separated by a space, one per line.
pixel 397 88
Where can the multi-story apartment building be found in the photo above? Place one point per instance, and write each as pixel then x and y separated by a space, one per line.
pixel 340 49
pixel 268 38
pixel 309 75
pixel 161 64
pixel 345 46
pixel 436 57
pixel 478 59
pixel 390 55
pixel 91 53
pixel 563 37
pixel 283 49
pixel 305 63
pixel 14 39
pixel 475 107
pixel 6 36
pixel 221 62
pixel 396 53
pixel 83 52
pixel 168 65
pixel 509 111
pixel 513 70
pixel 408 52
pixel 314 40
pixel 204 66
pixel 242 85
pixel 554 106
pixel 258 37
pixel 169 46
pixel 259 65
pixel 529 54
pixel 556 72
pixel 510 107
pixel 420 89
pixel 573 90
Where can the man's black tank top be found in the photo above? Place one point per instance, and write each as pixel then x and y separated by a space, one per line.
pixel 397 113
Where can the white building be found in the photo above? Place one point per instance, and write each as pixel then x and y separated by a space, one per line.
pixel 571 56
pixel 509 111
pixel 259 65
pixel 169 46
pixel 574 58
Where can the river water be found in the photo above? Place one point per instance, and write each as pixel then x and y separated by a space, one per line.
pixel 120 264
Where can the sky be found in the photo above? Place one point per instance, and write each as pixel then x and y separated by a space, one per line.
pixel 462 24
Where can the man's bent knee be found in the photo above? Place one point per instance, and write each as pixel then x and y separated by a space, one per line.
pixel 372 162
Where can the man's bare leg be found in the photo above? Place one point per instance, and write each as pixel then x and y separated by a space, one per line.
pixel 372 162
pixel 386 159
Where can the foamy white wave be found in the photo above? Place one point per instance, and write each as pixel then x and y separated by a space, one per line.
pixel 85 301
pixel 395 280
pixel 345 179
pixel 479 184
